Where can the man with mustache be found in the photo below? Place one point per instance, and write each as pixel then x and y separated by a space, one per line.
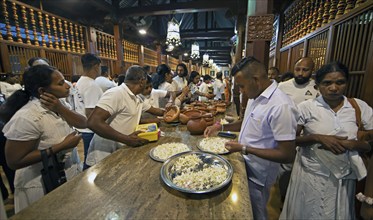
pixel 299 89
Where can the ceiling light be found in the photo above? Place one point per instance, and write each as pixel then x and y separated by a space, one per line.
pixel 142 31
pixel 186 54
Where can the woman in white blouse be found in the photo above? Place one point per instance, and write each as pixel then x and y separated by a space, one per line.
pixel 322 184
pixel 35 120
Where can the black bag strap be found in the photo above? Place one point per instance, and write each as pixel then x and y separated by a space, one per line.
pixel 44 158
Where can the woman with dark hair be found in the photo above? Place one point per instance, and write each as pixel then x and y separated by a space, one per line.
pixel 193 88
pixel 35 120
pixel 322 184
pixel 163 79
pixel 9 83
pixel 180 81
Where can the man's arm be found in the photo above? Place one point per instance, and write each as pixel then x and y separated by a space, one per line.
pixel 97 123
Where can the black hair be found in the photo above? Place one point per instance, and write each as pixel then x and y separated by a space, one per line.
pixel 275 69
pixel 160 77
pixel 121 79
pixel 184 67
pixel 219 75
pixel 33 78
pixel 148 79
pixel 329 68
pixel 146 68
pixel 75 78
pixel 193 75
pixel 287 76
pixel 246 61
pixel 31 61
pixel 135 73
pixel 104 70
pixel 206 77
pixel 89 60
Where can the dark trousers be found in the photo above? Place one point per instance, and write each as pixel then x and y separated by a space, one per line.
pixel 87 137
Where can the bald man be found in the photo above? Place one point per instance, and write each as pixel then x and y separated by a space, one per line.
pixel 267 132
pixel 301 87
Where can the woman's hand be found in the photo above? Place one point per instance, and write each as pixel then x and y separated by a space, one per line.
pixel 135 141
pixel 70 141
pixel 51 102
pixel 210 130
pixel 335 144
pixel 233 146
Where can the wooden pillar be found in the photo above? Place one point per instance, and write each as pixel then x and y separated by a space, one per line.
pixel 159 54
pixel 119 63
pixel 190 66
pixel 241 38
pixel 5 58
pixel 180 58
pixel 141 55
pixel 167 59
pixel 92 40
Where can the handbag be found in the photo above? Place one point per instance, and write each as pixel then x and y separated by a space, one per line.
pixel 53 173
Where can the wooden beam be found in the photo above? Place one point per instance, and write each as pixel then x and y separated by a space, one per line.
pixel 214 49
pixel 177 8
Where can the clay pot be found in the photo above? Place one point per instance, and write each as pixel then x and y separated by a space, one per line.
pixel 196 125
pixel 172 115
pixel 229 118
pixel 191 113
pixel 183 118
pixel 221 107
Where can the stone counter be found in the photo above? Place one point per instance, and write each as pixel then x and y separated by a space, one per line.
pixel 127 185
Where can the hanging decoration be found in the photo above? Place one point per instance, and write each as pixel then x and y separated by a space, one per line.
pixel 170 48
pixel 205 59
pixel 173 33
pixel 211 62
pixel 194 54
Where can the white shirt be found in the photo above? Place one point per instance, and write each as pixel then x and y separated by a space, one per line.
pixel 269 118
pixel 166 87
pixel 153 98
pixel 203 88
pixel 178 83
pixel 299 93
pixel 104 83
pixel 125 109
pixel 318 118
pixel 219 87
pixel 34 122
pixel 87 95
pixel 8 89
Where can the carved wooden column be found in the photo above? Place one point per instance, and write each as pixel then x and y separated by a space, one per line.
pixel 141 55
pixel 119 49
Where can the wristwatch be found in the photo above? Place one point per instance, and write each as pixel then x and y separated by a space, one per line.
pixel 243 150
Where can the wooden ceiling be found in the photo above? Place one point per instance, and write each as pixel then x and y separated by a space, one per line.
pixel 211 23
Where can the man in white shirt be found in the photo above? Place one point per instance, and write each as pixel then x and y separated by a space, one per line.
pixel 116 116
pixel 219 87
pixel 103 81
pixel 87 94
pixel 204 88
pixel 180 81
pixel 267 132
pixel 301 87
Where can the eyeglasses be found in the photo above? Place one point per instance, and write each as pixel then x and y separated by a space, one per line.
pixel 243 63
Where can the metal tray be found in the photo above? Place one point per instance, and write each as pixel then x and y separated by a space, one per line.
pixel 151 154
pixel 168 175
pixel 206 150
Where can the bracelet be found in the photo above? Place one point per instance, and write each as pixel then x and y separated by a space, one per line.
pixel 362 198
pixel 243 150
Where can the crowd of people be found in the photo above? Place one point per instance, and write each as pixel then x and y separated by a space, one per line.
pixel 295 129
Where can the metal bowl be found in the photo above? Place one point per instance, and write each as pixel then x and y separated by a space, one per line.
pixel 151 154
pixel 168 175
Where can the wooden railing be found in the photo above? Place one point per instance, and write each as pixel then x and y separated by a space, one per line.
pixel 172 62
pixel 131 52
pixel 317 48
pixel 150 57
pixel 106 45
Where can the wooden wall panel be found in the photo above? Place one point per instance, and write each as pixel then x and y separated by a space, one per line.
pixel 296 54
pixel 284 56
pixel 351 47
pixel 60 61
pixel 150 57
pixel 317 49
pixel 18 57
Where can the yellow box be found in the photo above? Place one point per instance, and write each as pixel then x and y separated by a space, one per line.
pixel 149 135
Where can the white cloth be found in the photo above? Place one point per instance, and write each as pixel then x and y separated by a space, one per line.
pixel 104 83
pixel 87 95
pixel 125 111
pixel 8 89
pixel 193 88
pixel 154 97
pixel 178 83
pixel 299 93
pixel 33 122
pixel 203 88
pixel 219 87
pixel 269 118
pixel 330 176
pixel 166 87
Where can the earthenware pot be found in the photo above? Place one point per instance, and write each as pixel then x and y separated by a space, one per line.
pixel 172 115
pixel 196 125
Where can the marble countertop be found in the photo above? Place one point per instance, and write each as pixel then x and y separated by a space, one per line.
pixel 127 185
